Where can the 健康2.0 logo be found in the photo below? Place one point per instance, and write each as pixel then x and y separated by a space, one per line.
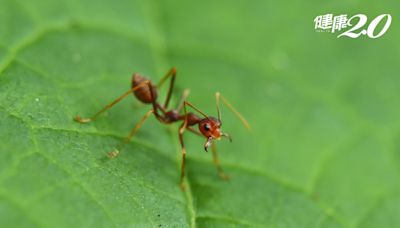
pixel 351 27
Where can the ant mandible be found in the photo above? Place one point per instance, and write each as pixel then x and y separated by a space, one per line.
pixel 146 92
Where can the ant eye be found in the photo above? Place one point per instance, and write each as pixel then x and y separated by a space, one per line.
pixel 207 127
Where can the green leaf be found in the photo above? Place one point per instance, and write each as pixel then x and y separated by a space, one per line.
pixel 324 148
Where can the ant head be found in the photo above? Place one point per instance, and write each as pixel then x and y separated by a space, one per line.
pixel 210 127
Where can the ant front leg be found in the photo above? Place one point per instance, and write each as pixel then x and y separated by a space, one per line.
pixel 181 131
pixel 217 164
pixel 216 161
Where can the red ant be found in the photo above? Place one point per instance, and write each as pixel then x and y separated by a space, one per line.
pixel 146 92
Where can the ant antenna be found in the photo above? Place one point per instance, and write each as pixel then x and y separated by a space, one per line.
pixel 192 106
pixel 219 97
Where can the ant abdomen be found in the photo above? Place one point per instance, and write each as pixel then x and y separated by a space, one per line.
pixel 143 93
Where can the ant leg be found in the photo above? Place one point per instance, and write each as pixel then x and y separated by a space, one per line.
pixel 216 161
pixel 156 106
pixel 171 72
pixel 181 131
pixel 134 130
pixel 217 164
pixel 110 105
pixel 183 98
pixel 194 131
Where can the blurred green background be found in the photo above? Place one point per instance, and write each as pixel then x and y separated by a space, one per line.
pixel 324 150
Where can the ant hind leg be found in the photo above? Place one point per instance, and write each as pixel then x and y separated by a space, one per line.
pixel 110 105
pixel 134 130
